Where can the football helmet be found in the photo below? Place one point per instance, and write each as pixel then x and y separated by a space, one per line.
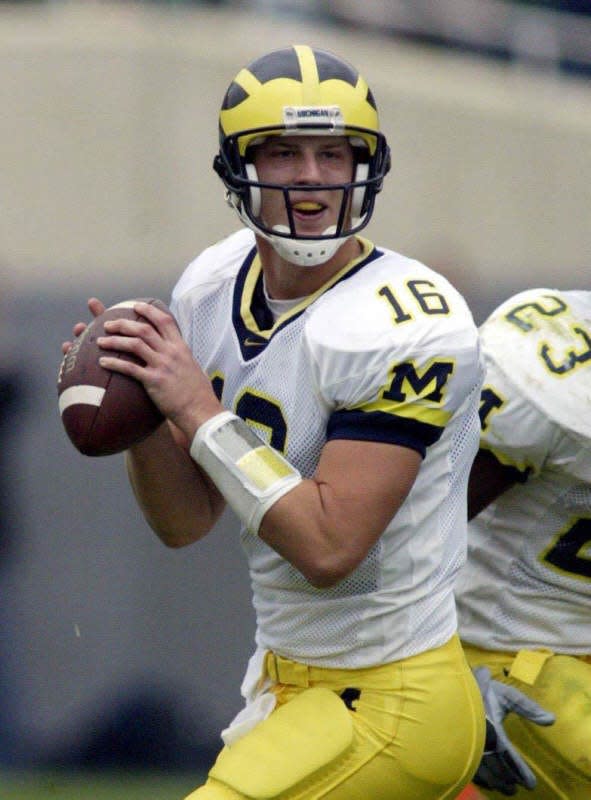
pixel 301 90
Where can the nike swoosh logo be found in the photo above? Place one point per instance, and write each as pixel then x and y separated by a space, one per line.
pixel 254 343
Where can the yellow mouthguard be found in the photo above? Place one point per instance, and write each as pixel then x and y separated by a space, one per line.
pixel 307 205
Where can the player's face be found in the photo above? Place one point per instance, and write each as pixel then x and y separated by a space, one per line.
pixel 301 161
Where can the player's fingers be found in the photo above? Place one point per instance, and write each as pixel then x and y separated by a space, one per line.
pixel 132 336
pixel 122 365
pixel 162 320
pixel 526 707
pixel 483 677
pixel 133 345
pixel 77 329
pixel 516 765
pixel 95 306
pixel 535 713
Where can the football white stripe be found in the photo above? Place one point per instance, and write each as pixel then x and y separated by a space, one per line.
pixel 123 304
pixel 83 394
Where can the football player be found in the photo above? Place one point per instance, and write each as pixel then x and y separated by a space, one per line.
pixel 525 595
pixel 327 390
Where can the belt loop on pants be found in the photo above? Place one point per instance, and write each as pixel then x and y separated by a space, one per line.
pixel 528 664
pixel 282 670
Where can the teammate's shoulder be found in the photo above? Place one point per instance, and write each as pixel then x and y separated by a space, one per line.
pixel 537 314
pixel 216 263
pixel 540 341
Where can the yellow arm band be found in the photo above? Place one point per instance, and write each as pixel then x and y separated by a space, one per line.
pixel 250 474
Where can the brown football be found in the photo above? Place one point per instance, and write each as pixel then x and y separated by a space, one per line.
pixel 104 412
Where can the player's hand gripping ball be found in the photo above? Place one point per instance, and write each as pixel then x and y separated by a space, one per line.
pixel 102 411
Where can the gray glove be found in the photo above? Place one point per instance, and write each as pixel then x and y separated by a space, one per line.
pixel 502 769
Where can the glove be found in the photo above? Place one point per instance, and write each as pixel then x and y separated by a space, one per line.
pixel 502 768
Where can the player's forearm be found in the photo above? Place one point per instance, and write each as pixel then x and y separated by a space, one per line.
pixel 178 501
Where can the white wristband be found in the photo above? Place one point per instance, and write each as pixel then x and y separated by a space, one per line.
pixel 250 474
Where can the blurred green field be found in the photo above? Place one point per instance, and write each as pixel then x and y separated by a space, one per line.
pixel 97 785
pixel 107 785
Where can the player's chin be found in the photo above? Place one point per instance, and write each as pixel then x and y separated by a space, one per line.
pixel 313 227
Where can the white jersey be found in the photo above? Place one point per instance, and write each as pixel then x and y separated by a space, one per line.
pixel 387 351
pixel 527 583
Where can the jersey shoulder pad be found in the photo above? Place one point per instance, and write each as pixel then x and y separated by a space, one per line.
pixel 392 296
pixel 216 263
pixel 540 340
pixel 394 313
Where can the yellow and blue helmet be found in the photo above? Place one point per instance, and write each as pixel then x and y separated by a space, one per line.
pixel 301 90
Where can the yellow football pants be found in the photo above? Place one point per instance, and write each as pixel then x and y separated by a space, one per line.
pixel 559 755
pixel 409 730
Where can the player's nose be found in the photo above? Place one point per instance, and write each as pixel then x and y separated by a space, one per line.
pixel 309 168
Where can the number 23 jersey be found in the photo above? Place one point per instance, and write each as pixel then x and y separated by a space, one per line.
pixel 385 351
pixel 527 583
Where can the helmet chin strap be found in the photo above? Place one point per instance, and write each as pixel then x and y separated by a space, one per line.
pixel 302 252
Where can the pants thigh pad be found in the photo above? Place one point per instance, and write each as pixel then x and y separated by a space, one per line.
pixel 298 739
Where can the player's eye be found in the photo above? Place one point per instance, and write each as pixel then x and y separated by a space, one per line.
pixel 284 153
pixel 334 153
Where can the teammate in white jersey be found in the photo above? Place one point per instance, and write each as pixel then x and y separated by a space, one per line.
pixel 525 595
pixel 327 390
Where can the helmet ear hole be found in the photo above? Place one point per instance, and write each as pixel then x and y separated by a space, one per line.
pixel 254 191
pixel 358 194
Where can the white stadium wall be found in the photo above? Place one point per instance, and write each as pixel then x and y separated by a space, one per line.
pixel 111 129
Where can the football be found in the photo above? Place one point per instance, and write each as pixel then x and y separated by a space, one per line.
pixel 104 412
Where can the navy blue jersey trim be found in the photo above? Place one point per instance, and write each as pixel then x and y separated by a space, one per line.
pixel 260 310
pixel 243 333
pixel 373 255
pixel 377 426
pixel 251 342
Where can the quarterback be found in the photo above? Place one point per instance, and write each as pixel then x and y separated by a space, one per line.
pixel 524 597
pixel 327 390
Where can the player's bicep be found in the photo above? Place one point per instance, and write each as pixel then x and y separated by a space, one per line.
pixel 365 483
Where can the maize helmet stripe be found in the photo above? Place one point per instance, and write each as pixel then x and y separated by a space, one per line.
pixel 310 79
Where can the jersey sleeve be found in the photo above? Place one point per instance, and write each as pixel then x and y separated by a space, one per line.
pixel 513 429
pixel 392 381
pixel 540 340
pixel 521 419
pixel 213 266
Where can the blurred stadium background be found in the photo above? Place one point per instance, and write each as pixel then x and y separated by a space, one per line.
pixel 120 657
